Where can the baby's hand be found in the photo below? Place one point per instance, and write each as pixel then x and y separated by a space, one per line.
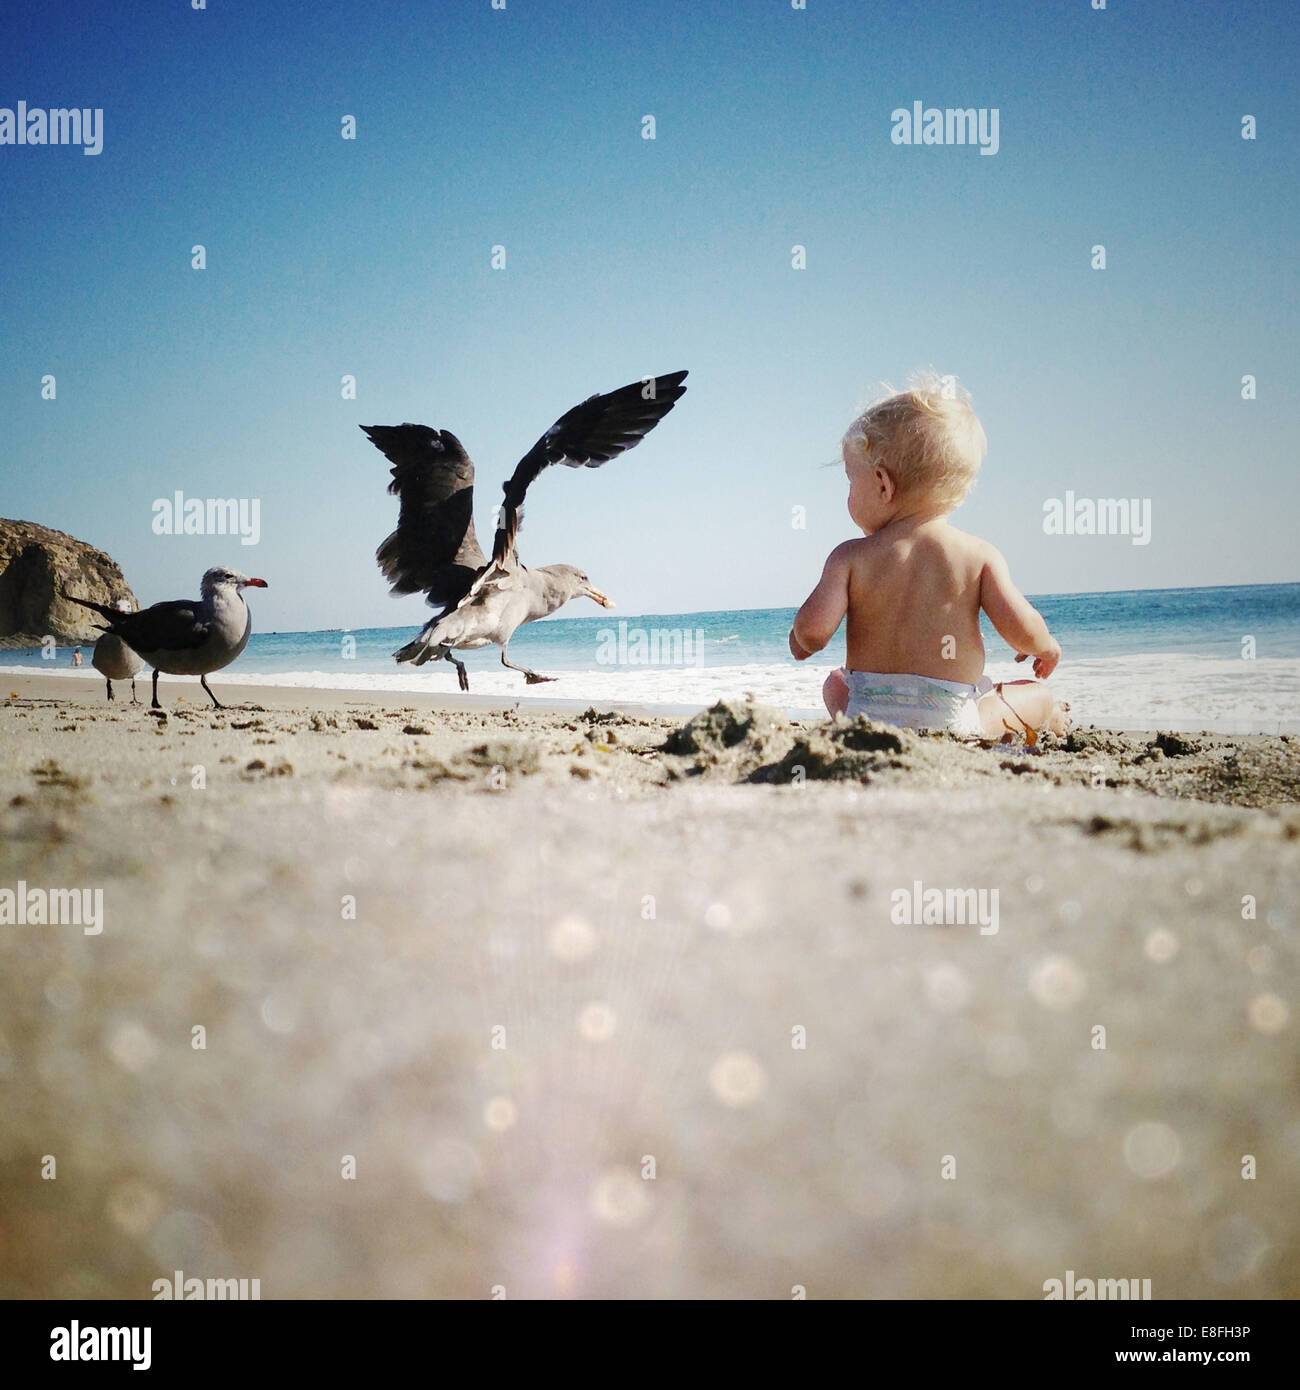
pixel 1045 661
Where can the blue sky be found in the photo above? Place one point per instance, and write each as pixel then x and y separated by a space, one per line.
pixel 628 256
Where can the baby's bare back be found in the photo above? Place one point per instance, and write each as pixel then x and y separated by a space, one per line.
pixel 914 602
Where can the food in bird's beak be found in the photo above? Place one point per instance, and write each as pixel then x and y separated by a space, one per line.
pixel 603 599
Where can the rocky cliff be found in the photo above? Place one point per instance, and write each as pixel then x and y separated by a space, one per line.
pixel 37 566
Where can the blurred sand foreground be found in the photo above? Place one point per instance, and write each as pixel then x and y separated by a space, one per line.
pixel 592 1017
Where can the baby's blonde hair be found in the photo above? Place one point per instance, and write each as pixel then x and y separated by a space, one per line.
pixel 928 438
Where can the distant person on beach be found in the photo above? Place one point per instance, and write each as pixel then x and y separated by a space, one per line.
pixel 76 657
pixel 913 586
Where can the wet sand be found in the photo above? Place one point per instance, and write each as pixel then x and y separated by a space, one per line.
pixel 595 1004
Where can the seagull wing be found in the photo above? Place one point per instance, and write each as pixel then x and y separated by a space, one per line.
pixel 175 626
pixel 590 434
pixel 434 548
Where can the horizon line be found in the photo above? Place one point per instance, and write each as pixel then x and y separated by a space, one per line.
pixel 793 607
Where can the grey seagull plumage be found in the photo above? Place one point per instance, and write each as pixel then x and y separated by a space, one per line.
pixel 434 550
pixel 187 637
pixel 114 660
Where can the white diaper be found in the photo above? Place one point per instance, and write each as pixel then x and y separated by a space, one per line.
pixel 914 702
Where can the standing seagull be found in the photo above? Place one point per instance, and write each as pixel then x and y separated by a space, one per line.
pixel 184 637
pixel 434 548
pixel 114 660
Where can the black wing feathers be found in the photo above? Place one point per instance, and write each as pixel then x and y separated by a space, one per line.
pixel 434 548
pixel 165 627
pixel 590 434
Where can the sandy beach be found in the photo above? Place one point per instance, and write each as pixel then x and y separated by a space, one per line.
pixel 578 1003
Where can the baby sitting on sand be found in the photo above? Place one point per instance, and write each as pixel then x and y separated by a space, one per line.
pixel 913 586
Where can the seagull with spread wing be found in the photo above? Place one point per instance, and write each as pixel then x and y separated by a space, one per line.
pixel 434 548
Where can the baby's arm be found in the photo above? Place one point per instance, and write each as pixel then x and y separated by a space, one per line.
pixel 1018 622
pixel 824 609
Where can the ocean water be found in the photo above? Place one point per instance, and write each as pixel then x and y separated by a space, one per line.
pixel 1223 659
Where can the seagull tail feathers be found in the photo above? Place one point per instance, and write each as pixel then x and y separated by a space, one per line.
pixel 102 609
pixel 419 651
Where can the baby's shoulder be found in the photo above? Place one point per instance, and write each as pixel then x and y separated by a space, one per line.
pixel 957 542
pixel 859 553
pixel 848 551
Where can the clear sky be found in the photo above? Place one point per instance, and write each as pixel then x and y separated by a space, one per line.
pixel 627 256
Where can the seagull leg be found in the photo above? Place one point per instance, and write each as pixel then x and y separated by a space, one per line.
pixel 109 683
pixel 203 681
pixel 462 675
pixel 134 701
pixel 530 676
pixel 155 704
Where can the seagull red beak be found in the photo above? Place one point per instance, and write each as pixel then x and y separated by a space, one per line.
pixel 255 584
